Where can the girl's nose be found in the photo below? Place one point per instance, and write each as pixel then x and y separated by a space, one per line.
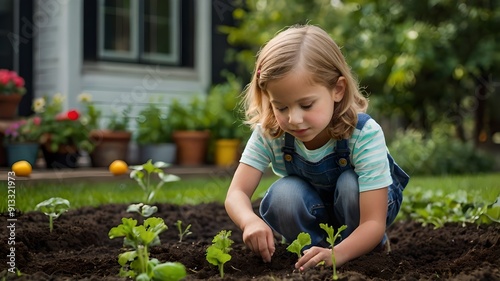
pixel 295 117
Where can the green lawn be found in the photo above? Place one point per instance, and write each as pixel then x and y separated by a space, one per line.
pixel 483 188
pixel 477 188
pixel 92 193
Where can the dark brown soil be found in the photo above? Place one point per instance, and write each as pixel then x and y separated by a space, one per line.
pixel 79 249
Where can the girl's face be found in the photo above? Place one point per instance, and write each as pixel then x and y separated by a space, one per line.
pixel 304 109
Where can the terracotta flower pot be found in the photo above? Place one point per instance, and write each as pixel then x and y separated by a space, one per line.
pixel 8 105
pixel 109 146
pixel 192 147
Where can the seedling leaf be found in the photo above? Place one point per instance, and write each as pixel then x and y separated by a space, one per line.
pixel 303 239
pixel 168 177
pixel 142 175
pixel 216 256
pixel 142 277
pixel 182 233
pixel 126 257
pixel 332 237
pixel 218 253
pixel 124 229
pixel 169 271
pixel 222 241
pixel 143 210
pixel 53 208
pixel 161 164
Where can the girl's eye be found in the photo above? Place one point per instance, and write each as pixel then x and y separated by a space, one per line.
pixel 280 109
pixel 308 106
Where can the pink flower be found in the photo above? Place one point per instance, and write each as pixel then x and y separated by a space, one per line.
pixel 4 76
pixel 61 116
pixel 37 120
pixel 18 81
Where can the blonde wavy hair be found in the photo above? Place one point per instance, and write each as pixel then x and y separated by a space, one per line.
pixel 311 48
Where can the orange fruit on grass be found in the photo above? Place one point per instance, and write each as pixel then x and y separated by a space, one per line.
pixel 118 167
pixel 22 168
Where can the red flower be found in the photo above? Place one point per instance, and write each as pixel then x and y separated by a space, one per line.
pixel 73 114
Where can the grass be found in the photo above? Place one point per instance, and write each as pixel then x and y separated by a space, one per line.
pixel 92 193
pixel 484 188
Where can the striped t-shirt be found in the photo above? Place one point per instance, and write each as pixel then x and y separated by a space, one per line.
pixel 368 154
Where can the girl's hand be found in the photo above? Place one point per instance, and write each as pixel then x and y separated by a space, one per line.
pixel 258 236
pixel 313 257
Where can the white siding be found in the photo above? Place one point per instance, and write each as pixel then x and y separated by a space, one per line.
pixel 59 65
pixel 45 49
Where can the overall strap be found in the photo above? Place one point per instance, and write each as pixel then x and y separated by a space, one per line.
pixel 288 150
pixel 342 146
pixel 289 146
pixel 362 118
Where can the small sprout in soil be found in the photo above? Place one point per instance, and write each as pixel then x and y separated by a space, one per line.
pixel 53 208
pixel 218 252
pixel 142 209
pixel 138 239
pixel 182 232
pixel 331 239
pixel 303 239
pixel 142 175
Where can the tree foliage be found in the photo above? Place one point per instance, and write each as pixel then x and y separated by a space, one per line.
pixel 424 60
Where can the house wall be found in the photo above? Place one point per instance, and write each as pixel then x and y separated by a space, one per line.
pixel 59 65
pixel 50 67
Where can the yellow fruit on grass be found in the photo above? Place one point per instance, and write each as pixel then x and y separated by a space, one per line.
pixel 22 168
pixel 118 167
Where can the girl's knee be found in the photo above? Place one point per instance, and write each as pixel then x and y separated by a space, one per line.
pixel 286 187
pixel 347 185
pixel 283 192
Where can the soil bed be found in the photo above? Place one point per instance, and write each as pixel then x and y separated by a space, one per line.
pixel 79 249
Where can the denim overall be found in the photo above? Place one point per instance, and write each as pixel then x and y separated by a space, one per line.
pixel 323 192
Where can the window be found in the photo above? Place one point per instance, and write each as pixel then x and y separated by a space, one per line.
pixel 139 31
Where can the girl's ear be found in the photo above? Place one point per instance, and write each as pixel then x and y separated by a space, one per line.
pixel 339 89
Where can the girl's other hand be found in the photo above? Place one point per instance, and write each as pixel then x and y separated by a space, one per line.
pixel 313 257
pixel 258 236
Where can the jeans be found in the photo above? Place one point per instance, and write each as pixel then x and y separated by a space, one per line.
pixel 292 205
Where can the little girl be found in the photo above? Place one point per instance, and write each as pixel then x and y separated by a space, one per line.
pixel 308 121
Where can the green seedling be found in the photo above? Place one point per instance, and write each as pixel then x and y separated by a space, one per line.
pixel 142 209
pixel 138 239
pixel 53 208
pixel 182 232
pixel 332 237
pixel 303 239
pixel 142 175
pixel 218 252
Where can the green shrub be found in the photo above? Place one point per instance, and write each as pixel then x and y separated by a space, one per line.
pixel 438 154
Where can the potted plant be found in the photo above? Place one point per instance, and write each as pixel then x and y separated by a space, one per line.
pixel 11 91
pixel 228 130
pixel 154 134
pixel 63 133
pixel 21 140
pixel 191 134
pixel 111 142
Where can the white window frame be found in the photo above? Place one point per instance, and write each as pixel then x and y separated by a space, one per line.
pixel 134 54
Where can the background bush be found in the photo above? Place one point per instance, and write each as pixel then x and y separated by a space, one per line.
pixel 439 153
